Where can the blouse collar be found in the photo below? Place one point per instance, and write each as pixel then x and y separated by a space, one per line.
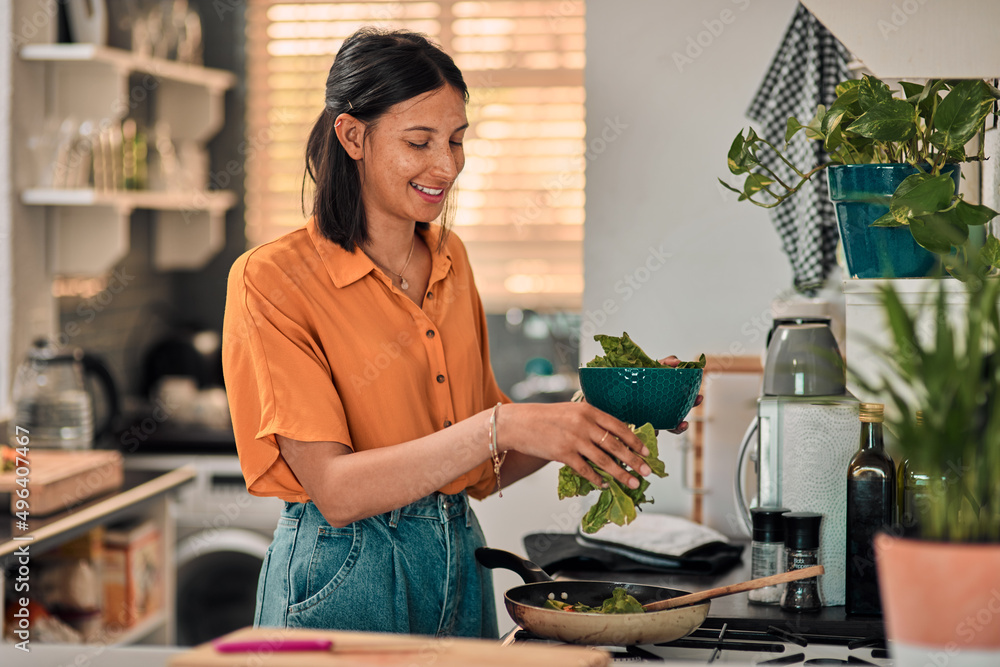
pixel 346 267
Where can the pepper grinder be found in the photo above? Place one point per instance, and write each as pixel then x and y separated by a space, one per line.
pixel 802 551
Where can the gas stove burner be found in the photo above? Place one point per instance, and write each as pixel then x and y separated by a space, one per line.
pixel 635 654
pixel 722 645
pixel 785 659
pixel 868 642
pixel 787 636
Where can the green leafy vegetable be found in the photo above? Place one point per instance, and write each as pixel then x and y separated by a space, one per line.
pixel 693 364
pixel 624 353
pixel 620 602
pixel 618 503
pixel 571 484
pixel 597 516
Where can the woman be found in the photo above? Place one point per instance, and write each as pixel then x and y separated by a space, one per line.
pixel 358 372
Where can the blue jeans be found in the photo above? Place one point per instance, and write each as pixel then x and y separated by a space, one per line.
pixel 412 570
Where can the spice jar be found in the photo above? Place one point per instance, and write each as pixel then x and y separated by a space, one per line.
pixel 802 551
pixel 766 551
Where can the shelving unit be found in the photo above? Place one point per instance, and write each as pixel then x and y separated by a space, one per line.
pixel 153 623
pixel 145 495
pixel 88 230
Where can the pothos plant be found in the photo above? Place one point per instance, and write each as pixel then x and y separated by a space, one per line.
pixel 927 127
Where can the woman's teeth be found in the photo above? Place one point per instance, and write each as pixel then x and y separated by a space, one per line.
pixel 431 191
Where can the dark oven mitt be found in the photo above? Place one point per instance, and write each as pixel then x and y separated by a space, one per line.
pixel 652 543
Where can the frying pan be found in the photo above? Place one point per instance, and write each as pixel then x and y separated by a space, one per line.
pixel 525 604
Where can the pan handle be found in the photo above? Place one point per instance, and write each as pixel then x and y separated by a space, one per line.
pixel 494 558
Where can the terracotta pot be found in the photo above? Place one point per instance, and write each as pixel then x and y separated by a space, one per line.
pixel 941 602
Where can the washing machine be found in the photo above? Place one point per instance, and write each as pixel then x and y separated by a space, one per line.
pixel 222 535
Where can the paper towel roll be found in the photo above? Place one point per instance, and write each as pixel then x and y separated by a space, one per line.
pixel 818 441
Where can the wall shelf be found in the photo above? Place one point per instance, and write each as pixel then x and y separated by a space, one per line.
pixel 126 61
pixel 87 229
pixel 130 200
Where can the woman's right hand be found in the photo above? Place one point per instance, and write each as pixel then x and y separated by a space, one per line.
pixel 573 434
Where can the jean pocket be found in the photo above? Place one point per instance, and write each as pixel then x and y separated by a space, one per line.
pixel 334 555
pixel 261 588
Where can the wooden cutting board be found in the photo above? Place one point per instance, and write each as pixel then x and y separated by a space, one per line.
pixel 389 650
pixel 59 479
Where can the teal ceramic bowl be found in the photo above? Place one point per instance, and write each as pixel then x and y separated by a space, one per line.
pixel 660 396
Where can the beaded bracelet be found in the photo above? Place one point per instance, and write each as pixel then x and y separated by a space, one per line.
pixel 497 458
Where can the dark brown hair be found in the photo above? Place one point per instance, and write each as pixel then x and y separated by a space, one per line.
pixel 374 70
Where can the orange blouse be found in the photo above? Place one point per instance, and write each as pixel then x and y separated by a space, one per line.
pixel 318 345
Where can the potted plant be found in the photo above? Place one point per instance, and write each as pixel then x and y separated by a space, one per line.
pixel 893 172
pixel 939 572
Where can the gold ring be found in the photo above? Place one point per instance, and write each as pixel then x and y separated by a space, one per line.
pixel 603 437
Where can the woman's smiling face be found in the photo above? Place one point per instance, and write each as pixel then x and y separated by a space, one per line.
pixel 412 158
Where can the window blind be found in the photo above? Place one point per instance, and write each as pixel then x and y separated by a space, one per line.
pixel 521 195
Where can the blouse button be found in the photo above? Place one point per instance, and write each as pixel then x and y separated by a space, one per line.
pixel 430 333
pixel 440 378
pixel 447 423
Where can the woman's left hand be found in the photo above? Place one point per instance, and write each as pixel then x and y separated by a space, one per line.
pixel 672 361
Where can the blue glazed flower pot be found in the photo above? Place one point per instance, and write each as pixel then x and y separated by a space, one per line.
pixel 860 195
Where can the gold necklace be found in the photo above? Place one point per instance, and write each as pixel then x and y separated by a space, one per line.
pixel 402 281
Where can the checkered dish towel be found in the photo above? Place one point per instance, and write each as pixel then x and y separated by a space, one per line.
pixel 804 73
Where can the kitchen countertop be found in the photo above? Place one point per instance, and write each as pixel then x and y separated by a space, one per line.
pixel 66 655
pixel 138 487
pixel 71 655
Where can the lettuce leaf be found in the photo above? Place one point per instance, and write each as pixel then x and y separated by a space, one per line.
pixel 624 353
pixel 618 503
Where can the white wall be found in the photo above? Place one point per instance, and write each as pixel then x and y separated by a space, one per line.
pixel 658 136
pixel 6 254
pixel 655 186
pixel 27 308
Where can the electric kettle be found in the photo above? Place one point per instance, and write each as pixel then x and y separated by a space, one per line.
pixel 803 437
pixel 52 401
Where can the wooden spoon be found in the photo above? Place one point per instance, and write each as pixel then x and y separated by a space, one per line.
pixel 721 591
